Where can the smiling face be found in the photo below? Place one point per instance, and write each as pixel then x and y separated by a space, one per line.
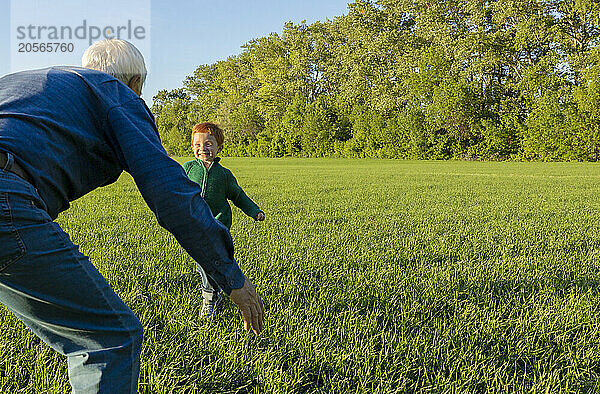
pixel 205 147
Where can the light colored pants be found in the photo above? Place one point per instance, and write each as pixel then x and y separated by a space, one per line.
pixel 55 290
pixel 210 288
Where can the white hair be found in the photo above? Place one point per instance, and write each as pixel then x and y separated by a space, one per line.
pixel 116 57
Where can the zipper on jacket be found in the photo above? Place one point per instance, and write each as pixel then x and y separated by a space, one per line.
pixel 205 177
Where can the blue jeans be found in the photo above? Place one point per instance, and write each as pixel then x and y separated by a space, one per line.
pixel 56 292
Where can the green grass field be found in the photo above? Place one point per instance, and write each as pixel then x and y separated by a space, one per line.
pixel 378 277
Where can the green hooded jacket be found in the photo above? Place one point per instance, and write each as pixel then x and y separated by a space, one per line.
pixel 219 185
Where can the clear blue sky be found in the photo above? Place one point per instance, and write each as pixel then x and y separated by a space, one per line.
pixel 185 34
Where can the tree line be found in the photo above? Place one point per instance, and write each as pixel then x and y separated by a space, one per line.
pixel 422 79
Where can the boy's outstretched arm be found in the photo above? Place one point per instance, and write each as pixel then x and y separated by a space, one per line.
pixel 236 194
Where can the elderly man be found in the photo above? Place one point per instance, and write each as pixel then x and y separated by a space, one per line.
pixel 65 131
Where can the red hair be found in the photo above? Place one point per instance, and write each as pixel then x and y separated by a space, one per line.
pixel 210 128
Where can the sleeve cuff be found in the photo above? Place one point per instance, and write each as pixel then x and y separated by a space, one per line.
pixel 255 212
pixel 235 277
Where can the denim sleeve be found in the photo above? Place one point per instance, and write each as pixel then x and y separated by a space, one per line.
pixel 171 195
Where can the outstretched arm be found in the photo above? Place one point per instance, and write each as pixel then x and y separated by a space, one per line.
pixel 177 203
pixel 236 194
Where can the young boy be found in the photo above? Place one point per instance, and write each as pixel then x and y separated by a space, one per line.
pixel 218 185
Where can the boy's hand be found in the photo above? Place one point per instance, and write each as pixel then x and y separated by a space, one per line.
pixel 260 216
pixel 251 306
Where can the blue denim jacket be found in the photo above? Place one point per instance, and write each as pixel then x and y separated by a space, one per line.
pixel 75 129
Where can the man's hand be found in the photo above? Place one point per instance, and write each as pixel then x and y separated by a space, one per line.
pixel 260 216
pixel 251 306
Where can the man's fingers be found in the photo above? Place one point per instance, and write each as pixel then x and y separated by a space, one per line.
pixel 260 311
pixel 247 317
pixel 252 319
pixel 251 306
pixel 262 306
pixel 256 323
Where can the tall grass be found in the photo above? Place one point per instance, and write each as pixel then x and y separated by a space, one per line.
pixel 378 276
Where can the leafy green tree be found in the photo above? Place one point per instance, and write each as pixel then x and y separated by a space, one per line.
pixel 174 119
pixel 483 79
